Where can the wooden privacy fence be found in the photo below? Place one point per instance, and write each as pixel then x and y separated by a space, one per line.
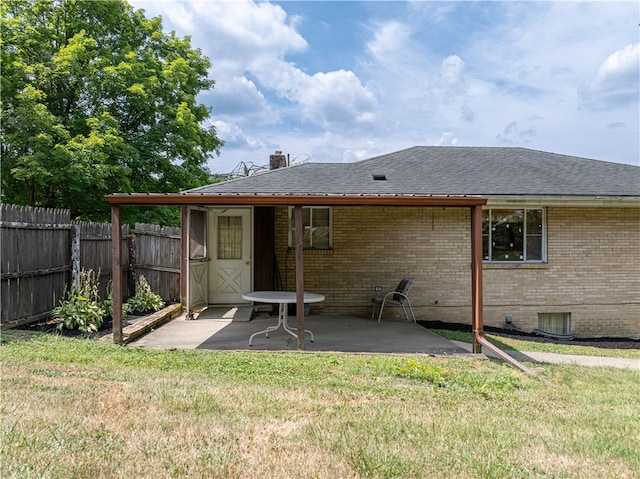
pixel 91 250
pixel 36 262
pixel 154 253
pixel 43 251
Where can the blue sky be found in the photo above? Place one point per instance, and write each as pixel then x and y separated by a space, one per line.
pixel 343 81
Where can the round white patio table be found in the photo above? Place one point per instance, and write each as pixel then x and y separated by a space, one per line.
pixel 282 298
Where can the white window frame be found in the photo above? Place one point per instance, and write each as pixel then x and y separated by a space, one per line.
pixel 488 238
pixel 311 210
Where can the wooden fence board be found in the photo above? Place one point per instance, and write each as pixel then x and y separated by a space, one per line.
pixel 158 258
pixel 37 266
pixel 35 261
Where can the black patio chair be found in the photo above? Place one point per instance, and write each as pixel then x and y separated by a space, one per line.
pixel 398 297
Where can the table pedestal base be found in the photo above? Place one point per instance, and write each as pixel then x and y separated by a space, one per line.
pixel 282 322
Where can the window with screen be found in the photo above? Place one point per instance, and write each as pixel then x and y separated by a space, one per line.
pixel 513 235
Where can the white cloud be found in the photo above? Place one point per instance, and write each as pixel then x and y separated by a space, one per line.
pixel 547 75
pixel 617 82
pixel 336 148
pixel 239 96
pixel 417 90
pixel 247 42
pixel 331 100
pixel 392 59
pixel 233 136
pixel 337 99
pixel 389 39
pixel 447 139
pixel 243 30
pixel 452 70
pixel 514 135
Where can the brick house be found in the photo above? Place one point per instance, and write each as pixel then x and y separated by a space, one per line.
pixel 560 237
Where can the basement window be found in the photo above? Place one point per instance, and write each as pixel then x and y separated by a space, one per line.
pixel 554 325
pixel 316 226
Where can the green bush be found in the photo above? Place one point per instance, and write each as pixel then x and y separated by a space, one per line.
pixel 81 309
pixel 107 305
pixel 145 300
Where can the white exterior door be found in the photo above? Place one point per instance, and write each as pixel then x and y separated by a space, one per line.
pixel 230 252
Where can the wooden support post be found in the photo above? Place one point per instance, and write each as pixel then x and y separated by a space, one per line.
pixel 116 272
pixel 184 252
pixel 476 275
pixel 297 215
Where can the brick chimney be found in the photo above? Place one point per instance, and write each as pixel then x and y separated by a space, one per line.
pixel 277 160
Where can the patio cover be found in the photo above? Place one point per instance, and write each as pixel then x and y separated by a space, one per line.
pixel 297 201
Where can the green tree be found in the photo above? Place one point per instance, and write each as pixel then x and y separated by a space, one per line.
pixel 96 99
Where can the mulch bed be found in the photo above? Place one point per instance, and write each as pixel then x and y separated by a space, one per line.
pixel 51 326
pixel 604 343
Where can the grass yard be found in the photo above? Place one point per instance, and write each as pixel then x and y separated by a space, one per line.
pixel 81 409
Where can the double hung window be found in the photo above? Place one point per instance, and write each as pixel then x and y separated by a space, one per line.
pixel 514 235
pixel 316 227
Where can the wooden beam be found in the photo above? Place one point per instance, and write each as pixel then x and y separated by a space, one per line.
pixel 116 272
pixel 476 276
pixel 297 215
pixel 266 199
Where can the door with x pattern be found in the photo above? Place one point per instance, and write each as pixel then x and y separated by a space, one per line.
pixel 230 245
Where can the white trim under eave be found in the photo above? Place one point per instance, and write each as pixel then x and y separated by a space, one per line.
pixel 563 201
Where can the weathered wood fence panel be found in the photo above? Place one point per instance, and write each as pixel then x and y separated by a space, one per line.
pixel 157 252
pixel 36 266
pixel 93 240
pixel 42 251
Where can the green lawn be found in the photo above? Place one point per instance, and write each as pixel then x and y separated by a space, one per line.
pixel 81 409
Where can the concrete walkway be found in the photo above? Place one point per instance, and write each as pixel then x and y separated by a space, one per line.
pixel 555 358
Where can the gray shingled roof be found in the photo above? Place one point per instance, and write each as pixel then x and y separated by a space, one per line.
pixel 445 170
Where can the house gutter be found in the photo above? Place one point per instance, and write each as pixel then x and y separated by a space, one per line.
pixel 566 201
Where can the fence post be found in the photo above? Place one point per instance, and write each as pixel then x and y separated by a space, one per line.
pixel 75 254
pixel 133 263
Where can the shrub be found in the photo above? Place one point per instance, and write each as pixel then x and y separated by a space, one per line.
pixel 145 300
pixel 107 305
pixel 81 309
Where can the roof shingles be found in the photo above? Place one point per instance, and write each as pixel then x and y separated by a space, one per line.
pixel 434 170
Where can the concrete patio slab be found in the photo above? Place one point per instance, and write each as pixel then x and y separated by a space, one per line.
pixel 332 333
pixel 226 313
